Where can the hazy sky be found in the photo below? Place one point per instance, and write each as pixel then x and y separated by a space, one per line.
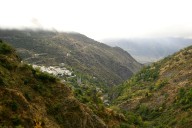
pixel 100 19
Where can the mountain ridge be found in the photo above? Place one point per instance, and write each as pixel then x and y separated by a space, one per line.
pixel 150 49
pixel 109 65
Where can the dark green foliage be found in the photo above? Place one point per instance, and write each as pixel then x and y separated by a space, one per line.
pixel 148 113
pixel 87 95
pixel 4 48
pixel 14 106
pixel 42 89
pixel 16 120
pixel 133 120
pixel 161 83
pixel 28 67
pixel 26 81
pixel 44 76
pixel 1 82
pixel 184 98
pixel 28 96
pixel 7 64
pixel 56 111
pixel 148 73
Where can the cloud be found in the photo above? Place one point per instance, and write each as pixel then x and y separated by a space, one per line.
pixel 35 23
pixel 101 19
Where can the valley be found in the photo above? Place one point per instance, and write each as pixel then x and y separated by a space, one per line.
pixel 56 79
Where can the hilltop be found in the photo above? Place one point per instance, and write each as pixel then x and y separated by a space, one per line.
pixel 159 95
pixel 32 99
pixel 96 61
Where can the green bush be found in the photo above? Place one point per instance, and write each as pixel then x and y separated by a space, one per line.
pixel 7 64
pixel 28 96
pixel 143 110
pixel 14 106
pixel 16 120
pixel 184 98
pixel 161 83
pixel 148 114
pixel 55 110
pixel 1 81
pixel 11 104
pixel 125 125
pixel 148 73
pixel 5 49
pixel 45 76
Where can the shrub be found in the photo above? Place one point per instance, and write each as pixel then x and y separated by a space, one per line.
pixel 19 126
pixel 161 83
pixel 14 106
pixel 143 110
pixel 16 120
pixel 148 73
pixel 24 67
pixel 7 64
pixel 5 49
pixel 124 125
pixel 184 98
pixel 1 81
pixel 45 76
pixel 38 87
pixel 28 96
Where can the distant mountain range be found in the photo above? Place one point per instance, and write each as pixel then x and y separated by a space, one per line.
pixel 97 61
pixel 147 50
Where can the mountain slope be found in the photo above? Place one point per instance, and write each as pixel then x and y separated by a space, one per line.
pixel 150 49
pixel 98 61
pixel 30 98
pixel 160 94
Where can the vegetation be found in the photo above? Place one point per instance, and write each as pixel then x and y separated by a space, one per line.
pixel 159 95
pixel 5 49
pixel 108 65
pixel 30 98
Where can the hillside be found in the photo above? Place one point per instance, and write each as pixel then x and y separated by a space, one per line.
pixel 159 95
pixel 32 99
pixel 96 61
pixel 147 50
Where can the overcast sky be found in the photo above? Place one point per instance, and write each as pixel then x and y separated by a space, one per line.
pixel 101 19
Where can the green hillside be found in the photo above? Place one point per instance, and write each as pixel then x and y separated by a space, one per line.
pixel 95 60
pixel 160 95
pixel 32 99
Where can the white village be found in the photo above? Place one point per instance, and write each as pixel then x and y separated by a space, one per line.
pixel 55 70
